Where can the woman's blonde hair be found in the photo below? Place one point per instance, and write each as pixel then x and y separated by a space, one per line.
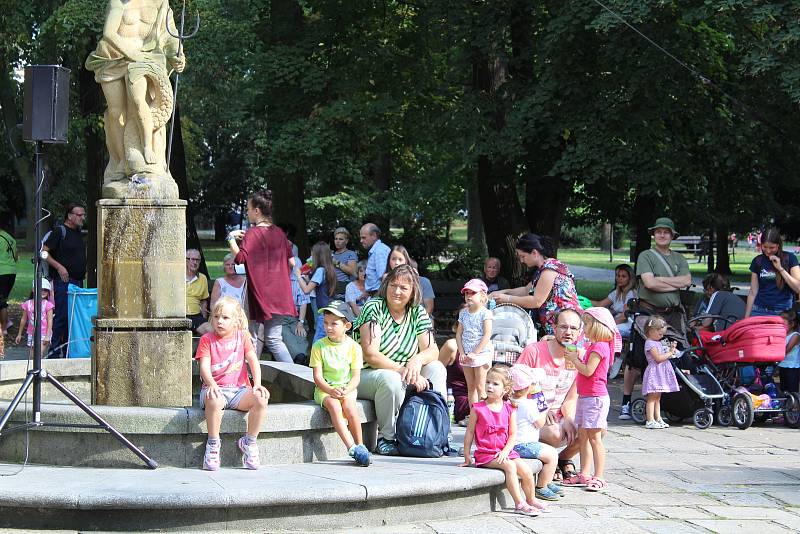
pixel 595 330
pixel 236 311
pixel 656 322
pixel 503 372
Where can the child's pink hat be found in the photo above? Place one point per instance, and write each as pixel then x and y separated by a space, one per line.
pixel 475 285
pixel 606 319
pixel 523 376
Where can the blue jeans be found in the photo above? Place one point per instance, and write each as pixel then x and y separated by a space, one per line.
pixel 60 339
pixel 761 311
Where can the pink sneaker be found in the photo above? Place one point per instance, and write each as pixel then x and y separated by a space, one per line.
pixel 249 454
pixel 211 458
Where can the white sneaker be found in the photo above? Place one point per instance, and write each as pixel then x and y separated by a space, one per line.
pixel 653 425
pixel 662 423
pixel 625 412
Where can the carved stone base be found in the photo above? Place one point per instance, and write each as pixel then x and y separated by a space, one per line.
pixel 141 186
pixel 145 362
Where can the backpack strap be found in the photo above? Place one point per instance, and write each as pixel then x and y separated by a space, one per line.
pixel 10 249
pixel 664 262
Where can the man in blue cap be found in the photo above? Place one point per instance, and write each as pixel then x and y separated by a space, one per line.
pixel 662 274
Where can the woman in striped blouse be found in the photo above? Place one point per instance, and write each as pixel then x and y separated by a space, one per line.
pixel 396 335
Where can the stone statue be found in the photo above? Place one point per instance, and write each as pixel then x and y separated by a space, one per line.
pixel 132 63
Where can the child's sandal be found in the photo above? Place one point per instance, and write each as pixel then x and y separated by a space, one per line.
pixel 524 508
pixel 596 484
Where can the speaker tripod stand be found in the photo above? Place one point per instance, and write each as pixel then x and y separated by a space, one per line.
pixel 36 376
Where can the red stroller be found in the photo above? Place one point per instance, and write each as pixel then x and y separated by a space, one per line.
pixel 754 342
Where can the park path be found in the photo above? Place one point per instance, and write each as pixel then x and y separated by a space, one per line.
pixel 678 480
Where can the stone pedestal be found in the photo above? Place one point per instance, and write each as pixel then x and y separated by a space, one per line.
pixel 143 345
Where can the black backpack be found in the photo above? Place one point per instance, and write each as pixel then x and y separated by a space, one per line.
pixel 423 424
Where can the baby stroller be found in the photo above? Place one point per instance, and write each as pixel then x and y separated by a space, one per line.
pixel 699 388
pixel 512 331
pixel 753 343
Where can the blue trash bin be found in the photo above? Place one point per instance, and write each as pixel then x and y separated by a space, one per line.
pixel 82 306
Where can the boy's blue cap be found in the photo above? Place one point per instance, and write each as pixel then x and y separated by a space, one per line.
pixel 339 308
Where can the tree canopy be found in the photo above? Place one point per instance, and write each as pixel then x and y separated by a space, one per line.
pixel 392 111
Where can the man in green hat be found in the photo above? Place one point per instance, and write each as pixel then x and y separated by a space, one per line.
pixel 662 274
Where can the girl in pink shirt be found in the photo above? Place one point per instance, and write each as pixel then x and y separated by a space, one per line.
pixel 591 410
pixel 29 315
pixel 226 386
pixel 493 426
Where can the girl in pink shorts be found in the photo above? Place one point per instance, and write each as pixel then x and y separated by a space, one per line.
pixel 591 410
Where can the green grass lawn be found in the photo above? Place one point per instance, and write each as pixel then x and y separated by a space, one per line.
pixel 599 259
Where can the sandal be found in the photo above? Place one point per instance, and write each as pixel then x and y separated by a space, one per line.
pixel 524 508
pixel 596 484
pixel 540 506
pixel 576 481
pixel 563 472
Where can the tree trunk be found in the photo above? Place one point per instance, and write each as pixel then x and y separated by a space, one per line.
pixel 220 223
pixel 475 221
pixel 381 171
pixel 710 251
pixel 177 166
pixel 546 199
pixel 288 206
pixel 500 208
pixel 644 208
pixel 723 258
pixel 91 104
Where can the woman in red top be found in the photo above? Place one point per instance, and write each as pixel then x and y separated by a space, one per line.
pixel 267 256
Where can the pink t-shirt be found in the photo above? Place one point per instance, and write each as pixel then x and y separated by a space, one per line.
pixel 227 357
pixel 29 308
pixel 559 376
pixel 595 385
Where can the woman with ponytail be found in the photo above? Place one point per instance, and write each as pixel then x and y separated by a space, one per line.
pixel 267 256
pixel 552 286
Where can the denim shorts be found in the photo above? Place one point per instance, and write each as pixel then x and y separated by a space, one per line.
pixel 530 450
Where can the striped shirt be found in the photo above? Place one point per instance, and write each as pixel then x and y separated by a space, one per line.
pixel 398 341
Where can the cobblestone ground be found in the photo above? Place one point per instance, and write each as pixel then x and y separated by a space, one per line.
pixel 672 481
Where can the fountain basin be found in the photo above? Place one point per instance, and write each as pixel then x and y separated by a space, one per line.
pixel 294 432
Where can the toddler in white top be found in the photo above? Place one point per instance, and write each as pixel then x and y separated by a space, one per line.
pixel 527 396
pixel 473 338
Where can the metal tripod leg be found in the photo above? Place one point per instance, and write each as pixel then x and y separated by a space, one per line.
pixel 17 399
pixel 152 464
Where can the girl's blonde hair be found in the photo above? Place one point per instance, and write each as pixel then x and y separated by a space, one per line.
pixel 656 322
pixel 237 311
pixel 503 372
pixel 595 330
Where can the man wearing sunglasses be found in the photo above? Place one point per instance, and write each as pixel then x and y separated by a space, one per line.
pixel 67 261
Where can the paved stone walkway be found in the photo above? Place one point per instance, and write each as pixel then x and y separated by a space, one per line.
pixel 673 481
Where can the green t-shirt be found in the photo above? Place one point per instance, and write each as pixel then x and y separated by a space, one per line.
pixel 8 253
pixel 398 340
pixel 649 261
pixel 336 359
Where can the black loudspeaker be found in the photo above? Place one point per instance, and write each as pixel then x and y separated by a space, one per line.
pixel 46 110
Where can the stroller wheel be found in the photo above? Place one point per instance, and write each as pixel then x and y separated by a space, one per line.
pixel 672 418
pixel 742 410
pixel 792 415
pixel 703 418
pixel 724 416
pixel 638 412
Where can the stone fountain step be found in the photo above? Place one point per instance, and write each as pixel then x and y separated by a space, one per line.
pixel 294 432
pixel 305 497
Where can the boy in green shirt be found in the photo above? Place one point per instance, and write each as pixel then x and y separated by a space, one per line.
pixel 337 361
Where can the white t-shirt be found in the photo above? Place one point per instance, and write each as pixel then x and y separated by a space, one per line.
pixel 527 414
pixel 618 305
